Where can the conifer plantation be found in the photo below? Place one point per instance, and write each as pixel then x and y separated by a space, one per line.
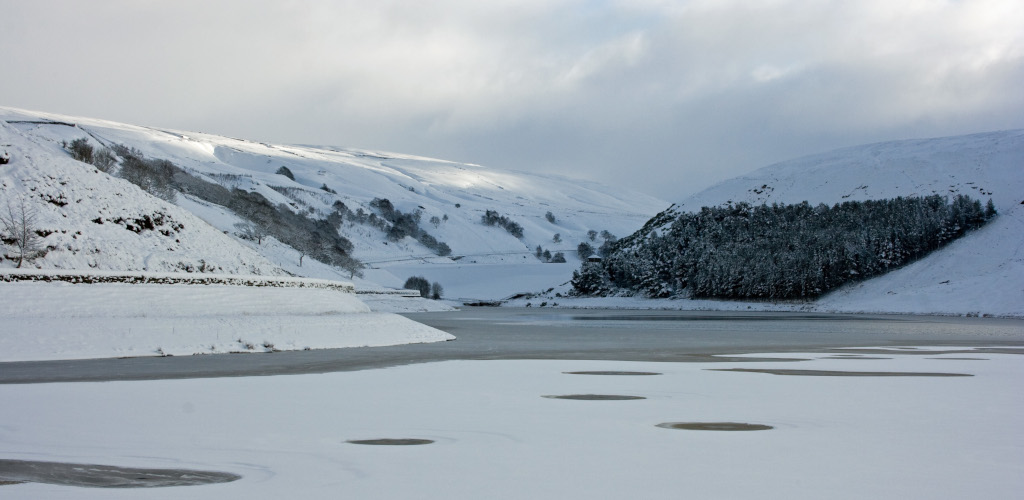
pixel 779 251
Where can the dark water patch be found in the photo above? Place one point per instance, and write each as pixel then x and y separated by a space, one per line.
pixel 852 356
pixel 596 397
pixel 900 351
pixel 715 426
pixel 837 373
pixel 600 372
pixel 995 350
pixel 391 441
pixel 687 316
pixel 931 352
pixel 750 359
pixel 105 476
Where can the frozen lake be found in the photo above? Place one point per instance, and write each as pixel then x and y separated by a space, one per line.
pixel 543 404
pixel 534 333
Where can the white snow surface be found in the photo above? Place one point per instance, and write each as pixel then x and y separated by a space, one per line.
pixel 44 321
pixel 496 437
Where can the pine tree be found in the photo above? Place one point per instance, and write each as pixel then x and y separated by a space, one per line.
pixel 584 250
pixel 784 251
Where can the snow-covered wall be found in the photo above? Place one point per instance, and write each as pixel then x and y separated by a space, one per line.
pixel 90 277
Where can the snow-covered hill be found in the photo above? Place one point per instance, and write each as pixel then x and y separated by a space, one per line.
pixel 986 165
pixel 95 221
pixel 196 232
pixel 981 273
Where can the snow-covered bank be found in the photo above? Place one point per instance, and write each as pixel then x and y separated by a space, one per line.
pixel 76 321
pixel 496 437
pixel 391 303
pixel 940 305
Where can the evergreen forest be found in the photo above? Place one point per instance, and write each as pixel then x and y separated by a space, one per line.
pixel 774 252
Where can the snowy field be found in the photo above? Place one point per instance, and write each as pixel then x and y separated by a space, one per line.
pixel 63 321
pixel 495 435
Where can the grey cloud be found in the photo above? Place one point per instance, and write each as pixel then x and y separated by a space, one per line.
pixel 661 96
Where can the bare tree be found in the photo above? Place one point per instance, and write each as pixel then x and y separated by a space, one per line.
pixel 19 228
pixel 80 149
pixel 104 159
pixel 251 231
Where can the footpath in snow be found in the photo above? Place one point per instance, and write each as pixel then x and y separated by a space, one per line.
pixel 46 321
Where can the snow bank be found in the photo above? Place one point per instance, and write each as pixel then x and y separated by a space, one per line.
pixel 397 303
pixel 76 321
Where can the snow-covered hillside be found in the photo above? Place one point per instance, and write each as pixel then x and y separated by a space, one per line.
pixel 986 165
pixel 456 194
pixel 981 273
pixel 93 220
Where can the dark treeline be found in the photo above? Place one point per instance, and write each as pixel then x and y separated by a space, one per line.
pixel 404 224
pixel 493 218
pixel 780 251
pixel 317 238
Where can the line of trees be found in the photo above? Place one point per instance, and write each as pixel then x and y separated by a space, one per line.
pixel 427 289
pixel 780 251
pixel 407 224
pixel 547 256
pixel 493 218
pixel 585 249
pixel 316 238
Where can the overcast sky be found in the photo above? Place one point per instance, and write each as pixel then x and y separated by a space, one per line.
pixel 665 97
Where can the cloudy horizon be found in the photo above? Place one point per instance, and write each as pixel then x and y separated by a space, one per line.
pixel 659 96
